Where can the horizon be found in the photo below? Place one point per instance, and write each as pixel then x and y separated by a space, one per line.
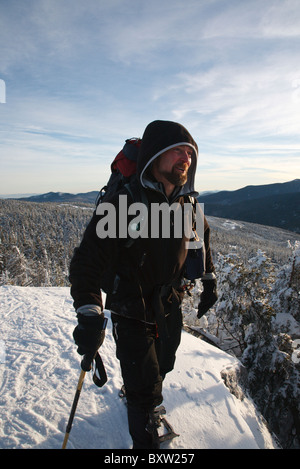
pixel 4 196
pixel 90 75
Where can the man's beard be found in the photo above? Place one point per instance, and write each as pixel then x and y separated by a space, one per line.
pixel 176 178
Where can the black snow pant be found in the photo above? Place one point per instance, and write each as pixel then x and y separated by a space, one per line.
pixel 144 359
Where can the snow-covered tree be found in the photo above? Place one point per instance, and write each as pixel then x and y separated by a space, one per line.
pixel 252 302
pixel 16 267
pixel 257 317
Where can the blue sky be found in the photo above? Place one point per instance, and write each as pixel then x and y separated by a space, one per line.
pixel 81 76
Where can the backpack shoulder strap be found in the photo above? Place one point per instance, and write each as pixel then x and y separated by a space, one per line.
pixel 137 192
pixel 193 201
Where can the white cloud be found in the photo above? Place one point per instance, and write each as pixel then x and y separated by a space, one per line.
pixel 282 19
pixel 83 76
pixel 261 99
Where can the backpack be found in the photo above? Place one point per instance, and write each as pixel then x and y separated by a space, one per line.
pixel 123 170
pixel 123 174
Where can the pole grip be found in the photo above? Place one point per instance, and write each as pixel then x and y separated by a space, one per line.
pixel 86 362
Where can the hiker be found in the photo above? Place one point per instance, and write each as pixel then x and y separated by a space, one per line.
pixel 143 282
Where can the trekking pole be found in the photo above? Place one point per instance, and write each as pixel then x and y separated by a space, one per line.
pixel 99 379
pixel 85 366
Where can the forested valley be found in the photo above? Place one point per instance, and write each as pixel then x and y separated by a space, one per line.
pixel 256 318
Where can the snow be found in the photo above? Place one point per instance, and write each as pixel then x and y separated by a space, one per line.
pixel 39 371
pixel 232 225
pixel 286 322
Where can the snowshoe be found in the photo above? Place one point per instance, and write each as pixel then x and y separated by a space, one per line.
pixel 164 428
pixel 157 420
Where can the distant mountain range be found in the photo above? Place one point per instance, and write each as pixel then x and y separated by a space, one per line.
pixel 271 204
pixel 62 197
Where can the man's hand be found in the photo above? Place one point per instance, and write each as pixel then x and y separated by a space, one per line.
pixel 208 297
pixel 89 333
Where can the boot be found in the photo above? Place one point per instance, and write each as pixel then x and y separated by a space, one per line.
pixel 142 428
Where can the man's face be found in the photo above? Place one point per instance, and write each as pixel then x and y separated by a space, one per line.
pixel 173 165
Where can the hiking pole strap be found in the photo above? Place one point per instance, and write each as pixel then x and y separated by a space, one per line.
pixel 74 406
pixel 99 376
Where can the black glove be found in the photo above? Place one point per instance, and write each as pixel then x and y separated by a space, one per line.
pixel 208 297
pixel 89 334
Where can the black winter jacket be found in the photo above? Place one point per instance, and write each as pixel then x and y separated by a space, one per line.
pixel 131 275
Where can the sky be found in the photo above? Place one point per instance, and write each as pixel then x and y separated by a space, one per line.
pixel 79 77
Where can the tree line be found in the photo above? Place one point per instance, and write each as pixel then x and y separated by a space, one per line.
pixel 256 318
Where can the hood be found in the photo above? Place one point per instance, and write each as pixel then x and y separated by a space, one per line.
pixel 160 136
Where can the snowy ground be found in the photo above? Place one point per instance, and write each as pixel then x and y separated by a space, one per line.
pixel 39 370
